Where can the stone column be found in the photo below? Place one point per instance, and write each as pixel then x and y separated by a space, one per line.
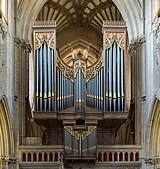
pixel 157 35
pixel 138 78
pixel 21 90
pixel 2 36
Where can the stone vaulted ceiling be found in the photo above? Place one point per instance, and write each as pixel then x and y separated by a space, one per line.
pixel 79 22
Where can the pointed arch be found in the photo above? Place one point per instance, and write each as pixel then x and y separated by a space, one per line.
pixel 153 131
pixel 6 131
pixel 28 11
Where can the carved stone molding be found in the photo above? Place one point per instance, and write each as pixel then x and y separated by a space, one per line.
pixel 136 44
pixel 2 31
pixel 6 160
pixel 22 43
pixel 158 55
pixel 157 28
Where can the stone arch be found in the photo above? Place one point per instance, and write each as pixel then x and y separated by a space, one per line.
pixel 153 131
pixel 6 132
pixel 130 10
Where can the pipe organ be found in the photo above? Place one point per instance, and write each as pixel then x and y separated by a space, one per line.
pixel 95 91
pixel 80 84
pixel 100 86
pixel 64 91
pixel 114 64
pixel 44 44
pixel 80 93
pixel 80 143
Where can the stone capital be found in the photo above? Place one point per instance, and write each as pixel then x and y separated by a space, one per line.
pixel 2 31
pixel 6 160
pixel 134 45
pixel 157 28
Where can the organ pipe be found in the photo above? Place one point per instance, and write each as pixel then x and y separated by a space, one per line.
pixel 45 77
pixel 41 78
pixel 110 78
pixel 64 91
pixel 118 79
pixel 52 79
pixel 37 80
pixel 95 91
pixel 122 78
pixel 114 61
pixel 44 46
pixel 49 79
pixel 114 76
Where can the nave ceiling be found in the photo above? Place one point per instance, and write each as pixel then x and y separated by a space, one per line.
pixel 79 25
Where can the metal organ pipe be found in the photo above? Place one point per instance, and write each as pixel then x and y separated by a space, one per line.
pixel 114 94
pixel 64 91
pixel 95 91
pixel 107 78
pixel 110 78
pixel 52 79
pixel 41 78
pixel 49 79
pixel 114 62
pixel 118 79
pixel 37 79
pixel 122 78
pixel 101 85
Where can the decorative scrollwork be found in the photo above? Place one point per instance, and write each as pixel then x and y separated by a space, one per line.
pixel 68 72
pixel 91 72
pixel 82 134
pixel 114 36
pixel 80 64
pixel 114 23
pixel 42 37
pixel 50 23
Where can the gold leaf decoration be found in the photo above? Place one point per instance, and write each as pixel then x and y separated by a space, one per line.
pixel 82 134
pixel 114 36
pixel 42 37
pixel 80 64
pixel 91 72
pixel 67 72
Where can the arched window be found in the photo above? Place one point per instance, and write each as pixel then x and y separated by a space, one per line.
pixel 105 157
pixel 50 156
pixel 121 156
pixel 110 156
pixel 126 156
pixel 115 156
pixel 29 157
pixel 56 157
pixel 131 156
pixel 40 157
pixel 99 156
pixel 35 157
pixel 45 157
pixel 24 157
pixel 137 156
